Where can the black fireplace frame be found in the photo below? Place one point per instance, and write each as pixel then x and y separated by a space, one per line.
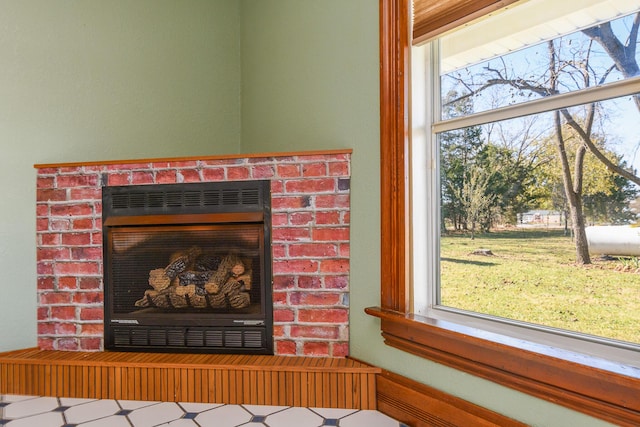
pixel 194 205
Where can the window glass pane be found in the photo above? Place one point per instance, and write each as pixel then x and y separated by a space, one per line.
pixel 522 24
pixel 594 56
pixel 511 244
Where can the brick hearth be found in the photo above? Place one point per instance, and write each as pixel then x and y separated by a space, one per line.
pixel 310 243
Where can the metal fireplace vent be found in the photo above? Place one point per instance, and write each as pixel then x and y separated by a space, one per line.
pixel 198 198
pixel 194 338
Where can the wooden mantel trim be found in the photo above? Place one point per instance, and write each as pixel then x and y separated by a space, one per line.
pixel 195 158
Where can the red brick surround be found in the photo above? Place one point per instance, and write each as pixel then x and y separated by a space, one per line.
pixel 310 244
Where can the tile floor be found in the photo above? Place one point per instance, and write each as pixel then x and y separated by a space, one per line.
pixel 34 411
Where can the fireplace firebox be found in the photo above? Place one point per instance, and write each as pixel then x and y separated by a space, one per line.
pixel 187 267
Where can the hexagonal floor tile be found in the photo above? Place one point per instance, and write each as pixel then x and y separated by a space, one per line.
pixel 91 411
pixel 28 407
pixel 48 419
pixel 155 414
pixel 368 418
pixel 295 417
pixel 224 416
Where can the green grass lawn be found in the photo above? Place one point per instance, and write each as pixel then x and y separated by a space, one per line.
pixel 532 277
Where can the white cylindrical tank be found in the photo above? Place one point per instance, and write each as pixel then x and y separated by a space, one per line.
pixel 614 240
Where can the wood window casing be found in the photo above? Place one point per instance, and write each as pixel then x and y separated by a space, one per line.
pixel 588 387
pixel 433 17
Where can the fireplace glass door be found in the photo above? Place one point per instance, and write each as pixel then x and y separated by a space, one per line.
pixel 195 281
pixel 187 271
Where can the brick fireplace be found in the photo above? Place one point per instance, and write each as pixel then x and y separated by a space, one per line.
pixel 310 243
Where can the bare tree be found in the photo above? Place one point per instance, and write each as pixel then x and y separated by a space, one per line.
pixel 473 195
pixel 624 59
pixel 622 54
pixel 573 183
pixel 580 71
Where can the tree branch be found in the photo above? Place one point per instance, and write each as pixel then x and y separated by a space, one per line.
pixel 596 152
pixel 623 55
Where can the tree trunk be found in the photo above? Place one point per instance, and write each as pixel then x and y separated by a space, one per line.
pixel 573 192
pixel 579 233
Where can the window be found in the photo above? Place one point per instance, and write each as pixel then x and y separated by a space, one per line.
pixel 518 184
pixel 460 338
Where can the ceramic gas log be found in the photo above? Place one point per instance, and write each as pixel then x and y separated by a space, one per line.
pixel 200 280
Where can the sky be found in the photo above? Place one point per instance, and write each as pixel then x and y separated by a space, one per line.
pixel 621 124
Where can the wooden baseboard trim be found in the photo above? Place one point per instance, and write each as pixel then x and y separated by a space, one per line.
pixel 204 378
pixel 418 405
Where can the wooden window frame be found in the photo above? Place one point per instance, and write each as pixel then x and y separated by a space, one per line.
pixel 589 387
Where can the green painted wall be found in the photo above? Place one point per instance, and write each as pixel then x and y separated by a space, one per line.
pixel 96 80
pixel 310 81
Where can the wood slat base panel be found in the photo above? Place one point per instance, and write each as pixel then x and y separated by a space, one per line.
pixel 204 378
